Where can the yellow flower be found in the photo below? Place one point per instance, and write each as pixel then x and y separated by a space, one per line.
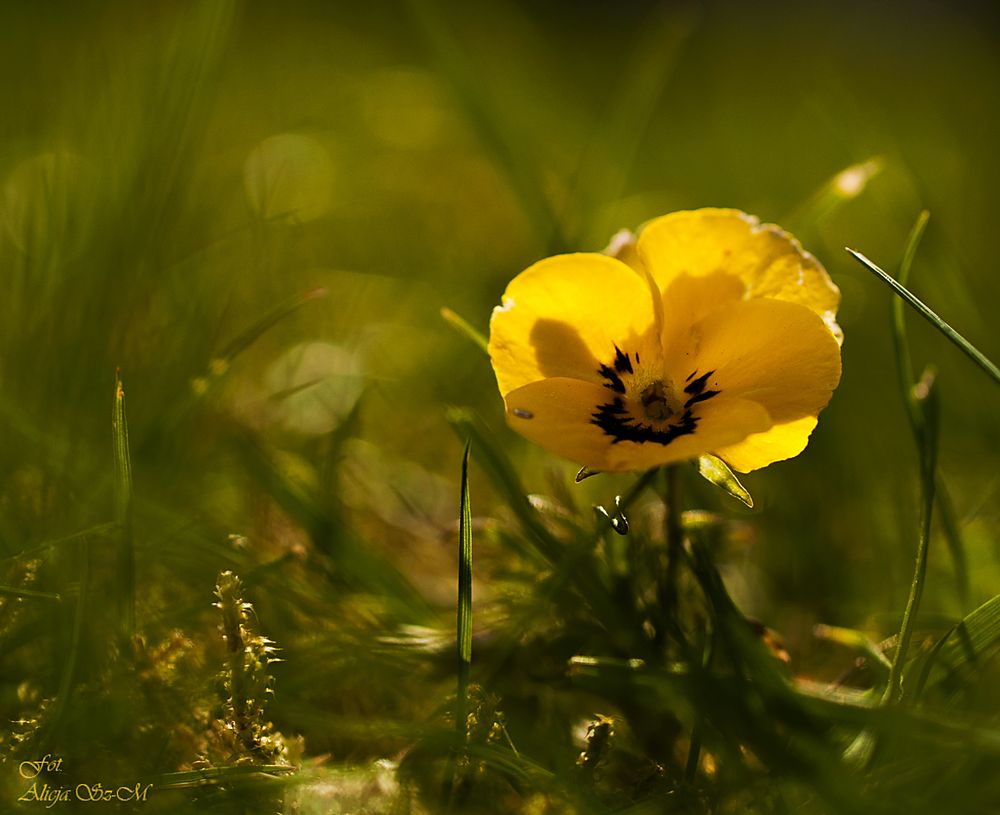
pixel 710 334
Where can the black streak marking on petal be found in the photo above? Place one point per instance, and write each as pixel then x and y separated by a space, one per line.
pixel 614 381
pixel 698 385
pixel 690 375
pixel 701 397
pixel 622 362
pixel 614 420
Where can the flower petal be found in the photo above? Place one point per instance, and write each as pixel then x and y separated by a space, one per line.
pixel 558 413
pixel 770 262
pixel 779 354
pixel 777 444
pixel 688 299
pixel 564 316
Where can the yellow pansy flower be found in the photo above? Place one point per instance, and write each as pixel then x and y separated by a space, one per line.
pixel 711 333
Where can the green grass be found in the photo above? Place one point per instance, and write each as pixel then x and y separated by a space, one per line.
pixel 297 411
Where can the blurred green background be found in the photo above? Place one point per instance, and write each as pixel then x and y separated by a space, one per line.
pixel 172 172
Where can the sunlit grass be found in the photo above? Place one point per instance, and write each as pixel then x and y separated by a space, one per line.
pixel 259 215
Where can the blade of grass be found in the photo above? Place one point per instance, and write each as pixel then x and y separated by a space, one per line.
pixel 31 551
pixel 953 537
pixel 14 591
pixel 667 587
pixel 199 778
pixel 904 364
pixel 463 630
pixel 924 311
pixel 125 587
pixel 573 566
pixel 464 621
pixel 904 369
pixel 502 474
pixel 974 640
pixel 926 400
pixel 68 670
pixel 857 641
pixel 463 327
pixel 252 333
pixel 220 363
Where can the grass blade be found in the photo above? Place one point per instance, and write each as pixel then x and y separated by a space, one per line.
pixel 502 474
pixel 67 674
pixel 221 361
pixel 904 369
pixel 573 565
pixel 973 641
pixel 464 590
pixel 463 327
pixel 456 780
pixel 123 514
pixel 926 400
pixel 904 364
pixel 210 775
pixel 31 551
pixel 253 332
pixel 14 591
pixel 924 311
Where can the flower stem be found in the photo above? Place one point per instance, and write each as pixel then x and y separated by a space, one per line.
pixel 673 531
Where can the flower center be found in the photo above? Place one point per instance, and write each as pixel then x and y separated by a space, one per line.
pixel 655 403
pixel 641 410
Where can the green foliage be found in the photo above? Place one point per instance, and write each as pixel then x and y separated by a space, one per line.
pixel 257 212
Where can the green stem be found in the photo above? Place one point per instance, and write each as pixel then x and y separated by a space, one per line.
pixel 904 368
pixel 673 530
pixel 926 401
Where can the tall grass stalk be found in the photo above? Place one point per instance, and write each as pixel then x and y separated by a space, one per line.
pixel 926 399
pixel 904 370
pixel 123 515
pixel 457 763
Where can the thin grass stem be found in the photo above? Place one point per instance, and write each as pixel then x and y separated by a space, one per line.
pixel 454 782
pixel 123 514
pixel 464 621
pixel 673 529
pixel 924 311
pixel 926 399
pixel 904 370
pixel 14 591
pixel 463 327
pixel 80 618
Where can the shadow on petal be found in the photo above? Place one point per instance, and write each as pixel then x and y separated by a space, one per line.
pixel 560 350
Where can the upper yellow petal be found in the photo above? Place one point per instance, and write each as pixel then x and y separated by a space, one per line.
pixel 687 300
pixel 776 353
pixel 769 262
pixel 564 317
